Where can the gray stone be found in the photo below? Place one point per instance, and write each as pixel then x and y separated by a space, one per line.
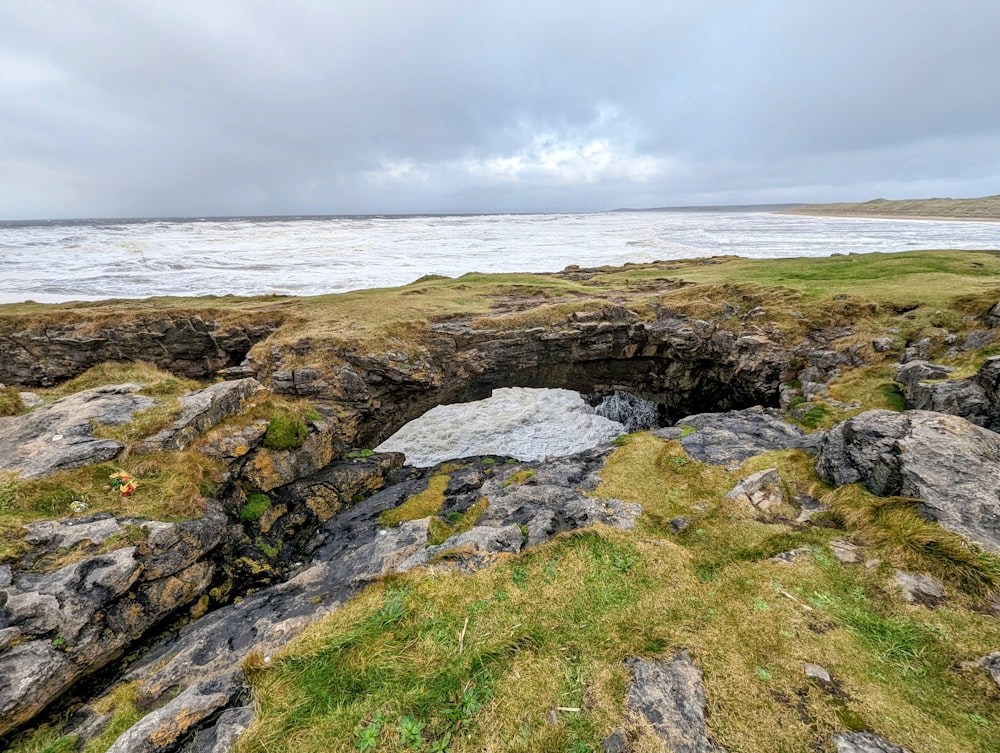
pixel 882 344
pixel 727 438
pixel 950 465
pixel 919 588
pixel 96 607
pixel 616 742
pixel 991 663
pixel 671 697
pixel 846 552
pixel 761 490
pixel 202 410
pixel 477 541
pixel 221 737
pixel 816 672
pixel 792 555
pixel 912 372
pixel 809 506
pixel 864 742
pixel 60 435
pixel 30 399
pixel 992 316
pixel 679 524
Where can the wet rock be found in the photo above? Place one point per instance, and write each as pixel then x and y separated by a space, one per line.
pixel 60 435
pixel 920 589
pixel 202 410
pixel 761 490
pixel 864 742
pixel 728 438
pixel 671 697
pixel 949 464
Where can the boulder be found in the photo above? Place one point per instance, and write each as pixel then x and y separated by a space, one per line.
pixel 919 588
pixel 671 697
pixel 200 411
pixel 951 465
pixel 732 437
pixel 976 399
pixel 59 436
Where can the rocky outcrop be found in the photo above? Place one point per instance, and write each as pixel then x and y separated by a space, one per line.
pixel 670 696
pixel 61 435
pixel 683 364
pixel 204 659
pixel 950 465
pixel 977 399
pixel 191 345
pixel 730 438
pixel 55 628
pixel 201 410
pixel 761 490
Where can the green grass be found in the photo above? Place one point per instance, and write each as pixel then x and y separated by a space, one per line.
pixel 256 505
pixel 10 402
pixel 287 431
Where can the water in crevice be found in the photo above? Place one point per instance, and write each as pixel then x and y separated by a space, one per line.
pixel 521 422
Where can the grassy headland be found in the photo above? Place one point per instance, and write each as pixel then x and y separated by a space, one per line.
pixel 528 655
pixel 983 208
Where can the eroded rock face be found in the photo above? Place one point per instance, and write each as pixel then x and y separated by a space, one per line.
pixel 684 364
pixel 671 697
pixel 190 345
pixel 63 625
pixel 951 465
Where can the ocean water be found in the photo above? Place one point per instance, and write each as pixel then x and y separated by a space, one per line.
pixel 525 423
pixel 90 260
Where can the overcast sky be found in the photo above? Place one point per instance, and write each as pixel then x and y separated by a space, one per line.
pixel 218 107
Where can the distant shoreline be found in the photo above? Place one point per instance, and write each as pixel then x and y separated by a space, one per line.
pixel 985 209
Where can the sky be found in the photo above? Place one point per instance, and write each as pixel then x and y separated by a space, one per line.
pixel 118 108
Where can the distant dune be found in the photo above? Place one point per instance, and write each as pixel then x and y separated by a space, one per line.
pixel 985 208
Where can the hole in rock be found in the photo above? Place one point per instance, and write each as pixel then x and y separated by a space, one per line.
pixel 522 422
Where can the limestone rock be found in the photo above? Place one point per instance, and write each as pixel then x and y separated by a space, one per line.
pixel 235 444
pixel 60 435
pixel 920 589
pixel 191 345
pixel 162 729
pixel 671 697
pixel 845 552
pixel 951 465
pixel 475 542
pixel 201 410
pixel 221 737
pixel 976 399
pixel 75 620
pixel 864 742
pixel 268 469
pixel 761 490
pixel 729 438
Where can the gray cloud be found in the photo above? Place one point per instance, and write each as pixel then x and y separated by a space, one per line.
pixel 110 107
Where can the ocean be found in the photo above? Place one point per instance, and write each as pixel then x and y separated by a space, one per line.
pixel 64 260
